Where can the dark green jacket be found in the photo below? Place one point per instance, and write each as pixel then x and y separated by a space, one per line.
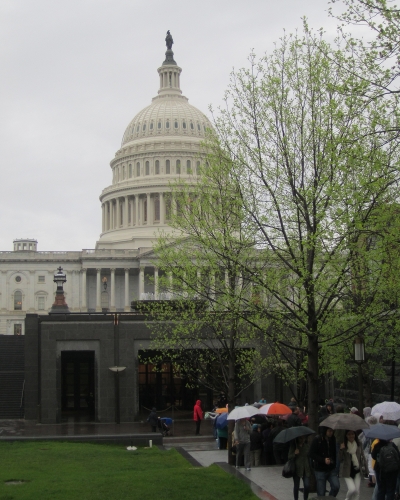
pixel 302 460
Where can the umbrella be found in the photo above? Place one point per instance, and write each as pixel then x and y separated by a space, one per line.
pixel 382 431
pixel 221 421
pixel 258 405
pixel 390 410
pixel 347 421
pixel 274 409
pixel 221 410
pixel 292 433
pixel 242 412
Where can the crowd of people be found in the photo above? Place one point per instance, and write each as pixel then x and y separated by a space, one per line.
pixel 328 454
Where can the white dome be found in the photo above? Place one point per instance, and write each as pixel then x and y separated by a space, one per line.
pixel 168 115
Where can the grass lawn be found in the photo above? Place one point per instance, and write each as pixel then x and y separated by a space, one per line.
pixel 81 471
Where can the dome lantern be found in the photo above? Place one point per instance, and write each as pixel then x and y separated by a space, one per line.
pixel 169 71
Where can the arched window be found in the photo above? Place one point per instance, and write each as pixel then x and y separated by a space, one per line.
pixel 130 170
pixel 184 124
pixel 123 172
pixel 198 126
pixel 157 208
pixel 138 127
pixel 176 123
pixel 167 167
pixel 159 125
pixel 138 169
pixel 178 166
pixel 167 124
pixel 157 167
pixel 147 168
pixel 17 301
pixel 188 167
pixel 151 126
pixel 198 168
pixel 191 125
pixel 144 127
pixel 145 210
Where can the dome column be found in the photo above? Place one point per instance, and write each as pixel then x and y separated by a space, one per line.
pixel 162 208
pixel 126 207
pixel 118 210
pixel 83 299
pixel 149 219
pixel 141 282
pixel 137 209
pixel 98 290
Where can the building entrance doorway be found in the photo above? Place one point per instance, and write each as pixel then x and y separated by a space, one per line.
pixel 77 386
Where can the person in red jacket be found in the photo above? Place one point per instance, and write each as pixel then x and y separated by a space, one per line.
pixel 197 415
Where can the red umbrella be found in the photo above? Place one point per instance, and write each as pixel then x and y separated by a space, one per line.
pixel 274 409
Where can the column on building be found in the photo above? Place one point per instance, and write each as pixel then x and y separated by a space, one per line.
pixel 111 214
pixel 103 217
pixel 112 302
pixel 83 299
pixel 127 306
pixel 156 294
pixel 162 208
pixel 118 210
pixel 132 211
pixel 149 215
pixel 137 220
pixel 98 290
pixel 141 282
pixel 126 208
pixel 31 292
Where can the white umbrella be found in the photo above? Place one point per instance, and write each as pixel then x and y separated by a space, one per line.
pixel 390 410
pixel 242 412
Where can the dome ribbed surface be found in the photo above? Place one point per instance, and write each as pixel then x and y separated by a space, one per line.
pixel 167 116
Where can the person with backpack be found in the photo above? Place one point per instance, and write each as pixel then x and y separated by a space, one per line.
pixel 352 462
pixel 387 467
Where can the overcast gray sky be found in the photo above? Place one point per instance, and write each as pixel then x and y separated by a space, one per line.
pixel 73 75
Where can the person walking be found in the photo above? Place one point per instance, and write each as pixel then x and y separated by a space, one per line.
pixel 152 419
pixel 386 454
pixel 256 445
pixel 242 441
pixel 197 415
pixel 352 462
pixel 299 449
pixel 323 456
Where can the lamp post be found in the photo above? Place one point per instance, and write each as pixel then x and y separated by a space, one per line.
pixel 359 358
pixel 59 306
pixel 104 281
pixel 116 370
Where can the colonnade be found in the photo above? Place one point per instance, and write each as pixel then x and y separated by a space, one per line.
pixel 133 210
pixel 100 272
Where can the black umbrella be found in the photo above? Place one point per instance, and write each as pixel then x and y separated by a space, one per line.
pixel 293 433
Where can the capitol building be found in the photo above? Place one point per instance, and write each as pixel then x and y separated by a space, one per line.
pixel 159 145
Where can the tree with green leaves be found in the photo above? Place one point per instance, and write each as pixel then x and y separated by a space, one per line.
pixel 203 329
pixel 312 175
pixel 272 238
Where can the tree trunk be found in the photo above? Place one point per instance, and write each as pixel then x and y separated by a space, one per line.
pixel 312 378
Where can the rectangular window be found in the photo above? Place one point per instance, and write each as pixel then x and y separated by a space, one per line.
pixel 41 303
pixel 17 329
pixel 41 279
pixel 167 167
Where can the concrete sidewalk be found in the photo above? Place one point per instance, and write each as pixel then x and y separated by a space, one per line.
pixel 271 484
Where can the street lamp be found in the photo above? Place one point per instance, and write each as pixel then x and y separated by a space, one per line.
pixel 59 306
pixel 104 281
pixel 359 358
pixel 117 370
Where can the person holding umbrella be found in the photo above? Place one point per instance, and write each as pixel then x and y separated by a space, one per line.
pixel 242 442
pixel 299 449
pixel 352 461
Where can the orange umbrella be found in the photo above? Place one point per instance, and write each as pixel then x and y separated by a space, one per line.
pixel 221 410
pixel 274 409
